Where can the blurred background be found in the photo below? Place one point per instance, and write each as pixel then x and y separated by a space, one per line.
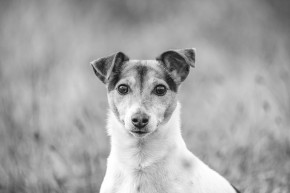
pixel 236 102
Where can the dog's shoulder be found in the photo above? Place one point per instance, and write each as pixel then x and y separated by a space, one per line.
pixel 201 176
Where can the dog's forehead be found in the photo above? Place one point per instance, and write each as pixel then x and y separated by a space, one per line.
pixel 142 68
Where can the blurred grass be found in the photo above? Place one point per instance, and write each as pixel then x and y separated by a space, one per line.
pixel 236 105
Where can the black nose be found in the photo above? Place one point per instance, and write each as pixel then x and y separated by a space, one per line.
pixel 140 120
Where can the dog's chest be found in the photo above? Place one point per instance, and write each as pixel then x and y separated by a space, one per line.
pixel 155 179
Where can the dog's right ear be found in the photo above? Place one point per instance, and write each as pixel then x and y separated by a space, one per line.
pixel 103 67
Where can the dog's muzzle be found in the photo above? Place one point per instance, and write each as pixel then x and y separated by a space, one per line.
pixel 140 121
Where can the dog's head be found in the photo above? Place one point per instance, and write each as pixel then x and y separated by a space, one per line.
pixel 142 93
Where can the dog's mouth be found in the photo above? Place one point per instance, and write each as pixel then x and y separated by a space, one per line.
pixel 139 133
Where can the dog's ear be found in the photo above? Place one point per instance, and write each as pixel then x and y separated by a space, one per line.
pixel 103 67
pixel 178 62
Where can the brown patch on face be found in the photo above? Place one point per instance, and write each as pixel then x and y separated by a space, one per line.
pixel 171 83
pixel 113 81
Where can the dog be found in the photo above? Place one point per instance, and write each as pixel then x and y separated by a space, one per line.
pixel 148 153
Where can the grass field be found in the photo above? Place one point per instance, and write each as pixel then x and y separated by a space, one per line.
pixel 235 103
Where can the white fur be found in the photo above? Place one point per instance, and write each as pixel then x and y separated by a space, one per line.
pixel 157 163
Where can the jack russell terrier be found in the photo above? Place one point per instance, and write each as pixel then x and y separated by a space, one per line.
pixel 148 153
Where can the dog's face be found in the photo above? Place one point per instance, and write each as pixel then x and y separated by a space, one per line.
pixel 142 93
pixel 143 97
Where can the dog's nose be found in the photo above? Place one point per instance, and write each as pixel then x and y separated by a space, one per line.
pixel 140 120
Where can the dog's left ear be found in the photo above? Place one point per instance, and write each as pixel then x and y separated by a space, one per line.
pixel 178 62
pixel 104 67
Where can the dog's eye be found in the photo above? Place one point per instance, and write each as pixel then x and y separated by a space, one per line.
pixel 160 90
pixel 123 89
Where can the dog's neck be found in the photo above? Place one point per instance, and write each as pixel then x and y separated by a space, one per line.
pixel 134 152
